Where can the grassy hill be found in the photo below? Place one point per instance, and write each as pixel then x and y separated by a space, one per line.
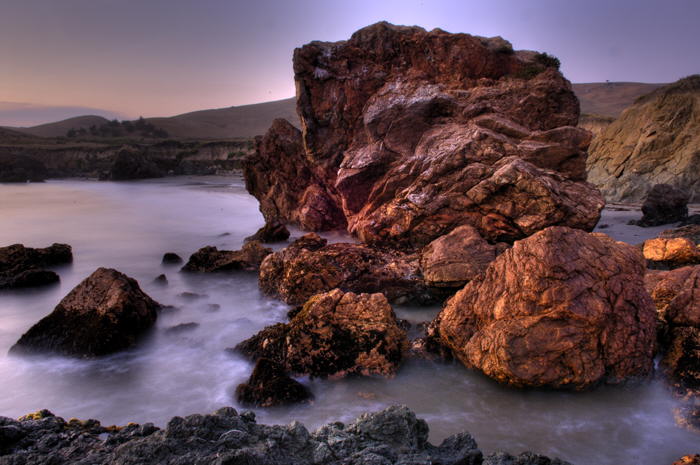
pixel 231 122
pixel 610 98
pixel 60 128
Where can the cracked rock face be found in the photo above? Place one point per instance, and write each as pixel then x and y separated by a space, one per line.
pixel 335 334
pixel 309 266
pixel 407 134
pixel 562 308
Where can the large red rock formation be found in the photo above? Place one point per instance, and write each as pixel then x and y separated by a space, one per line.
pixel 407 134
pixel 562 308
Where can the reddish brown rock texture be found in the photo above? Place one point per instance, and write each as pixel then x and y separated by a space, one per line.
pixel 335 334
pixel 671 253
pixel 562 308
pixel 676 294
pixel 456 258
pixel 407 134
pixel 309 266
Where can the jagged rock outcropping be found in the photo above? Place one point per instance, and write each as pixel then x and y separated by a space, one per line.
pixel 105 313
pixel 391 436
pixel 335 334
pixel 407 134
pixel 310 265
pixel 562 308
pixel 655 141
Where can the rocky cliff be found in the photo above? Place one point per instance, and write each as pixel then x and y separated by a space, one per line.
pixel 107 160
pixel 407 134
pixel 655 141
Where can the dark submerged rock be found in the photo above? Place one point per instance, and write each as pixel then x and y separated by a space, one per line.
pixel 269 386
pixel 105 313
pixel 22 266
pixel 171 258
pixel 181 328
pixel 210 260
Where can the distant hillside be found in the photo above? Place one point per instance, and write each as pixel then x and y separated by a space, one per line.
pixel 231 122
pixel 224 123
pixel 60 128
pixel 11 136
pixel 598 98
pixel 610 98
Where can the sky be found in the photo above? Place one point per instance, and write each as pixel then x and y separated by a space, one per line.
pixel 164 57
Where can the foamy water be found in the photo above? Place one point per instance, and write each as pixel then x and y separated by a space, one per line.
pixel 128 226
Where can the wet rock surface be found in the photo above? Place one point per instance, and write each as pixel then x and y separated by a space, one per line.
pixel 335 334
pixel 269 386
pixel 171 258
pixel 22 266
pixel 309 266
pixel 273 231
pixel 210 259
pixel 662 253
pixel 676 294
pixel 391 436
pixel 456 258
pixel 412 141
pixel 562 308
pixel 105 313
pixel 664 204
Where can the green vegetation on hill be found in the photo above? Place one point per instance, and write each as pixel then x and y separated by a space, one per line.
pixel 117 129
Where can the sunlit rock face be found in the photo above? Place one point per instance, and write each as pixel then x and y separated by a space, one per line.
pixel 407 134
pixel 561 309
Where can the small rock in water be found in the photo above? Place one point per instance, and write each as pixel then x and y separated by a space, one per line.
pixel 171 258
pixel 213 307
pixel 269 385
pixel 161 279
pixel 210 259
pixel 22 266
pixel 181 328
pixel 273 231
pixel 191 296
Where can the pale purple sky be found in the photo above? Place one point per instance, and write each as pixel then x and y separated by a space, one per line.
pixel 164 57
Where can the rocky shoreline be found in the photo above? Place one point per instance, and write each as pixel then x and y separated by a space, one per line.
pixel 463 177
pixel 392 436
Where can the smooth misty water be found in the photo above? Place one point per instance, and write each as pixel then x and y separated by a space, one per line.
pixel 128 226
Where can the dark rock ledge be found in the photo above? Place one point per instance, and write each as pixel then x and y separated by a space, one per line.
pixel 392 436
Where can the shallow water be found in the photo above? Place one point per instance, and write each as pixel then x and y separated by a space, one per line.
pixel 128 226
